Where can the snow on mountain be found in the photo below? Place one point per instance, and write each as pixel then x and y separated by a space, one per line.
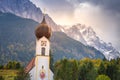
pixel 71 32
pixel 86 35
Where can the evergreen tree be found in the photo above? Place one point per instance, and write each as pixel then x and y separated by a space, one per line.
pixel 82 72
pixel 112 70
pixel 51 62
pixel 74 70
pixel 87 70
pixel 1 66
pixel 102 69
pixel 18 65
pixel 64 71
pixel 22 75
pixel 9 65
pixel 1 78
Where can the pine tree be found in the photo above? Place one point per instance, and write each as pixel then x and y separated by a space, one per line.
pixel 102 69
pixel 74 70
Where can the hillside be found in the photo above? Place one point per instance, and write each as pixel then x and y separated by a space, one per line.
pixel 64 46
pixel 17 41
pixel 16 38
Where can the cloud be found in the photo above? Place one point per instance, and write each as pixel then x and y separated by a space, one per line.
pixel 55 5
pixel 113 5
pixel 102 15
pixel 61 11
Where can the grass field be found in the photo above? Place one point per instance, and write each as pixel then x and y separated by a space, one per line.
pixel 8 74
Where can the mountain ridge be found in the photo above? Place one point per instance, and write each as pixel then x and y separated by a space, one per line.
pixel 29 10
pixel 91 39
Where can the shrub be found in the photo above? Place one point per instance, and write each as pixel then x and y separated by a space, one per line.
pixel 103 77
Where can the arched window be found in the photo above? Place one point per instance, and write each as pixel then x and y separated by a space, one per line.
pixel 43 51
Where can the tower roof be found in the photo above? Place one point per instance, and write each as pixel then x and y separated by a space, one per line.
pixel 43 30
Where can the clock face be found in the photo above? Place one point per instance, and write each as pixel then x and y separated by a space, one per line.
pixel 43 43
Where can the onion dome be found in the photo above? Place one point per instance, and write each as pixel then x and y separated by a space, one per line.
pixel 43 30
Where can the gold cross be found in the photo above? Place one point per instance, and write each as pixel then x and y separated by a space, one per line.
pixel 44 10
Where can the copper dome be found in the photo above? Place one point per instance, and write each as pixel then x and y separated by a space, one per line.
pixel 43 30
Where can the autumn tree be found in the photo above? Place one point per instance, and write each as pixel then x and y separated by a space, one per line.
pixel 102 69
pixel 87 70
pixel 103 77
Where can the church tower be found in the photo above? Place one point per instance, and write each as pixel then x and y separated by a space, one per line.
pixel 39 67
pixel 42 61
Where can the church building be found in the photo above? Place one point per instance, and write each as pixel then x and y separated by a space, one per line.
pixel 39 66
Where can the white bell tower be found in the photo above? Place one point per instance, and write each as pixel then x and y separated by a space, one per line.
pixel 42 59
pixel 42 47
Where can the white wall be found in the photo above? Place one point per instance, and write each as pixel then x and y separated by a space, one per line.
pixel 42 61
pixel 32 73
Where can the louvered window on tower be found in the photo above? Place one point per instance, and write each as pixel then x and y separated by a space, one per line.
pixel 43 51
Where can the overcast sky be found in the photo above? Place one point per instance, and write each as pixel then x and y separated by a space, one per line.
pixel 102 15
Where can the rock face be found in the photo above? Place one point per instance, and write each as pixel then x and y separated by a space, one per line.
pixel 88 36
pixel 81 33
pixel 23 8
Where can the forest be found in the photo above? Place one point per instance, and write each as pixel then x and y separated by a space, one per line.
pixel 87 69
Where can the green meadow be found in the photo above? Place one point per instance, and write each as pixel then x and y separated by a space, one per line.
pixel 8 74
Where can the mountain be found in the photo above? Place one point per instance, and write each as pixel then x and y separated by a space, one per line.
pixel 70 48
pixel 23 8
pixel 81 33
pixel 17 41
pixel 88 36
pixel 26 9
pixel 15 44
